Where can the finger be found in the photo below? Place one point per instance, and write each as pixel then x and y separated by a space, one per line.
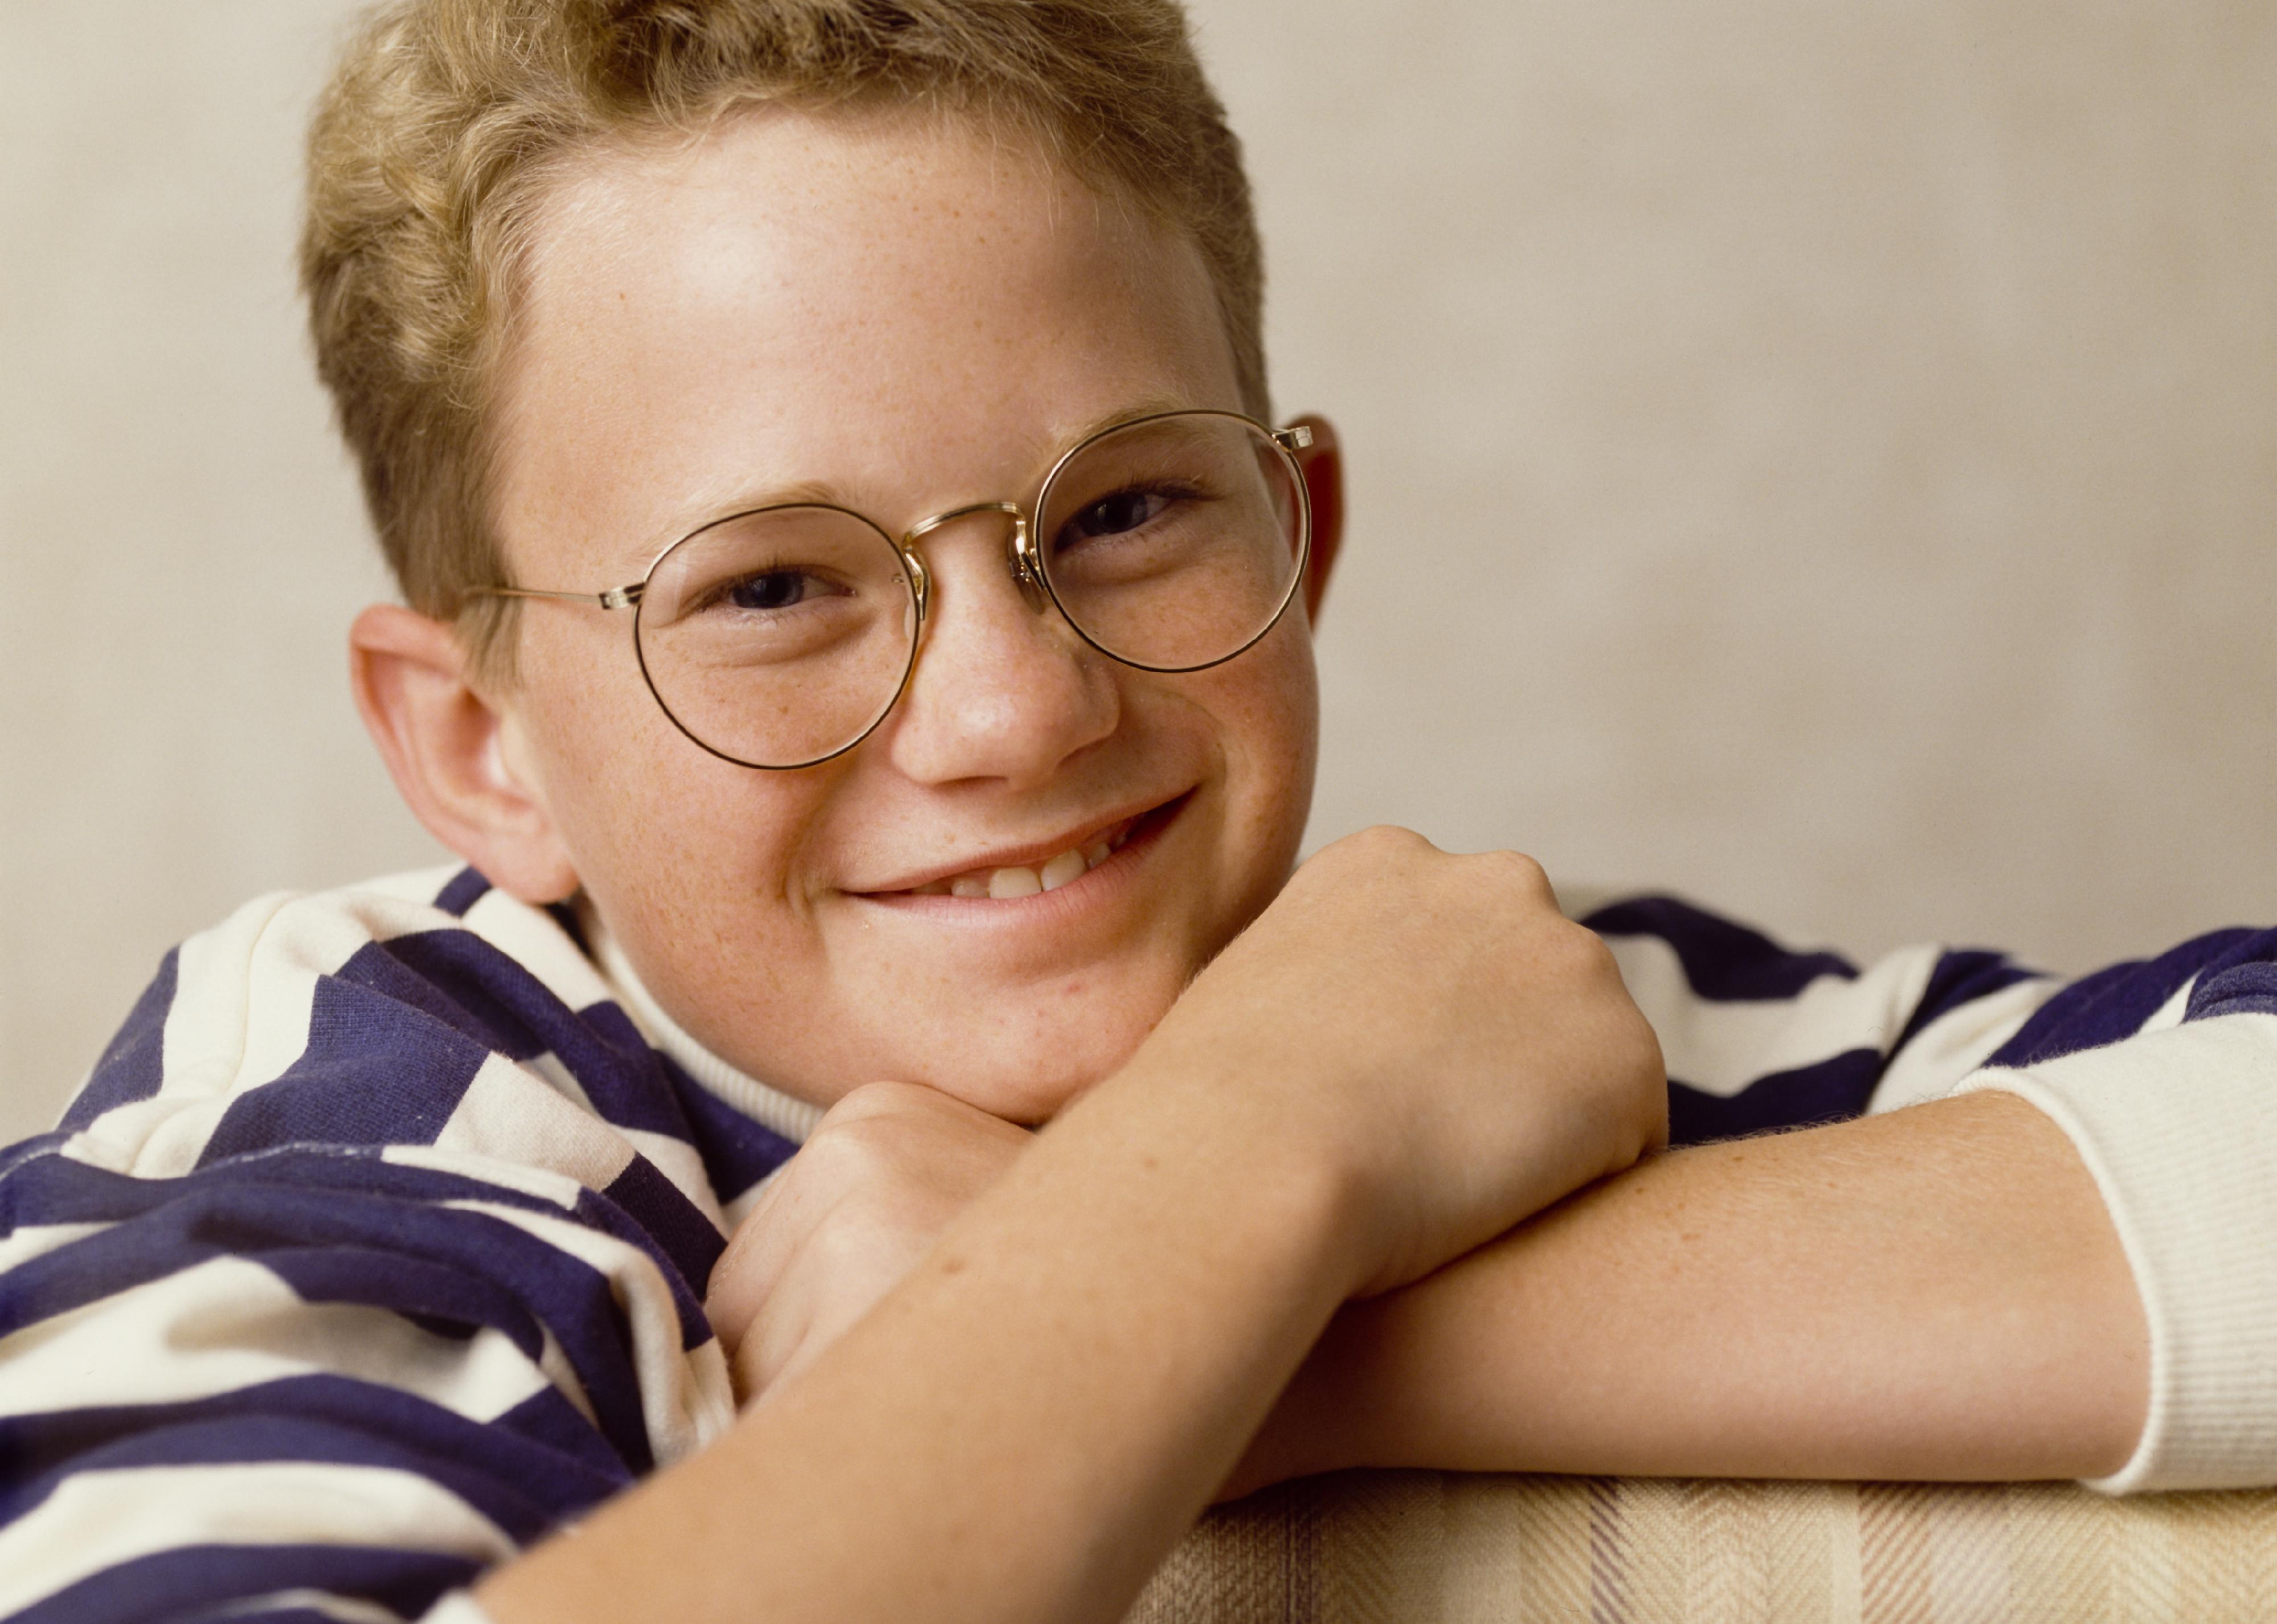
pixel 757 1253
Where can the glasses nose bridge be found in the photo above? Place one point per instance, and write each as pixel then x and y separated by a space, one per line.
pixel 1020 560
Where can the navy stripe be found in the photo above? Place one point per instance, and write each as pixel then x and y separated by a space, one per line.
pixel 737 1151
pixel 1722 960
pixel 372 1250
pixel 463 983
pixel 179 1583
pixel 2242 981
pixel 520 1486
pixel 49 1188
pixel 1832 1090
pixel 378 1070
pixel 466 889
pixel 26 1152
pixel 235 1614
pixel 442 1300
pixel 130 1069
pixel 597 1211
pixel 478 991
pixel 2113 1003
pixel 623 1077
pixel 1962 976
pixel 691 1241
pixel 546 1420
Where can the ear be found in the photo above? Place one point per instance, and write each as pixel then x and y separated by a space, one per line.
pixel 1322 465
pixel 443 740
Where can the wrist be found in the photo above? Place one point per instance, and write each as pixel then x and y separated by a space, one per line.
pixel 1247 1149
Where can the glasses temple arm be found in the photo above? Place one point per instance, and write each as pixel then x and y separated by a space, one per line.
pixel 615 598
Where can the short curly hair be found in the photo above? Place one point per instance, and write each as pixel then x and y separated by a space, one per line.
pixel 432 149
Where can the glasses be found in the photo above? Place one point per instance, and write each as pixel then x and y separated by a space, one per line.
pixel 780 637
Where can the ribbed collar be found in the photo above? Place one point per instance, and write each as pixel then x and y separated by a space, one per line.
pixel 770 1108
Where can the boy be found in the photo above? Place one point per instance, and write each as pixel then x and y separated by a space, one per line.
pixel 893 373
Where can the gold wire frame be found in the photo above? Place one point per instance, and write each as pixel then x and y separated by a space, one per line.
pixel 1023 559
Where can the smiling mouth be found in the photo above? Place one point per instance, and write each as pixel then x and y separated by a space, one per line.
pixel 1009 881
pixel 1021 880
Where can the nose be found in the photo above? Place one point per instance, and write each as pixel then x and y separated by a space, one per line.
pixel 1003 689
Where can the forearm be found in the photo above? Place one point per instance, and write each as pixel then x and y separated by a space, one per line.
pixel 1019 1431
pixel 1934 1293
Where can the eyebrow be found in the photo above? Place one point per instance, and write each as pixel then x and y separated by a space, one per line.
pixel 697 514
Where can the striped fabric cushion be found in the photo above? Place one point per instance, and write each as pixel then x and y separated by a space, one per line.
pixel 1427 1547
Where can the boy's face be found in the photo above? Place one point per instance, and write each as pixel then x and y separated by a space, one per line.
pixel 900 319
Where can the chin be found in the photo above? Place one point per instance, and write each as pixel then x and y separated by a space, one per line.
pixel 1032 1082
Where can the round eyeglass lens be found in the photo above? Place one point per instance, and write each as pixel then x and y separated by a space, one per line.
pixel 1175 542
pixel 780 637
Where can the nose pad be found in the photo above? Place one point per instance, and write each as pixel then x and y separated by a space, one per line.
pixel 920 580
pixel 1020 558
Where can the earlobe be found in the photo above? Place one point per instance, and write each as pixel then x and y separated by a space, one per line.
pixel 441 739
pixel 1322 465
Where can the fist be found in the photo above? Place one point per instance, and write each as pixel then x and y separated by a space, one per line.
pixel 1432 1026
pixel 845 1220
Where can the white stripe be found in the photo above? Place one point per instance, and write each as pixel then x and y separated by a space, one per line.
pixel 99 1519
pixel 243 995
pixel 543 1183
pixel 1720 1046
pixel 534 1114
pixel 458 1608
pixel 34 1239
pixel 686 1400
pixel 510 1114
pixel 1957 1042
pixel 228 1323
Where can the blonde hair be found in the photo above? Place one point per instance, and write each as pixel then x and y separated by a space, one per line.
pixel 433 148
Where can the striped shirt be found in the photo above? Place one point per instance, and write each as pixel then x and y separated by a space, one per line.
pixel 375 1246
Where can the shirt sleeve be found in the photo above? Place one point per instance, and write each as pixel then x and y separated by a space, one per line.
pixel 371 1253
pixel 2164 1075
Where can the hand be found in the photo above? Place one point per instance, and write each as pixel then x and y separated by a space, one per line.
pixel 1439 1029
pixel 883 1173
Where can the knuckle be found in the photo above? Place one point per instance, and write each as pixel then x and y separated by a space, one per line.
pixel 870 1101
pixel 1379 843
pixel 1519 871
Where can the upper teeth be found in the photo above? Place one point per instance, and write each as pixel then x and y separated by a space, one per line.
pixel 1022 882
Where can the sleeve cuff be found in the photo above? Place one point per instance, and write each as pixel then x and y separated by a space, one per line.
pixel 2179 1129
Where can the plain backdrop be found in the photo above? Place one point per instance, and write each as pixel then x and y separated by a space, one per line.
pixel 1817 457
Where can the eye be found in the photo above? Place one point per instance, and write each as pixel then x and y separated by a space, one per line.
pixel 1126 510
pixel 773 588
pixel 1130 509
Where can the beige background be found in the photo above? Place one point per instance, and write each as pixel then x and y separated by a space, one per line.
pixel 1818 456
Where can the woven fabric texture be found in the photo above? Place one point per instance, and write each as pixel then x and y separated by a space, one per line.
pixel 1426 1547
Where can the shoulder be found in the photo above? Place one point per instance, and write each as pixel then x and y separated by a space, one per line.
pixel 425 1017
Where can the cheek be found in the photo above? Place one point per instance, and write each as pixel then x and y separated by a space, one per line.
pixel 1263 712
pixel 656 826
pixel 1272 725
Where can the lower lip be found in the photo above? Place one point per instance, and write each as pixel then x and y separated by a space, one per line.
pixel 1095 887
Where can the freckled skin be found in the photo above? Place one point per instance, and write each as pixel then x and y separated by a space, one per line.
pixel 915 316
